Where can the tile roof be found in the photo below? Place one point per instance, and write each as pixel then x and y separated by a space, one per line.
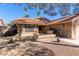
pixel 64 19
pixel 37 20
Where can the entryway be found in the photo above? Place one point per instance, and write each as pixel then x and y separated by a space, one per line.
pixel 41 29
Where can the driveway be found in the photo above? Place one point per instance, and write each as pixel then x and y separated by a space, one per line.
pixel 61 48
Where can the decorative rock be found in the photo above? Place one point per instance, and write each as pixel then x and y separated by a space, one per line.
pixel 24 48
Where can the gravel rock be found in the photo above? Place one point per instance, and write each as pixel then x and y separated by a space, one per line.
pixel 24 48
pixel 40 51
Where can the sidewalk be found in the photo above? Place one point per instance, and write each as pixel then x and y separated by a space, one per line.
pixel 50 39
pixel 71 41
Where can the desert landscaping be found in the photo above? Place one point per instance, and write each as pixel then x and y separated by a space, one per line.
pixel 24 47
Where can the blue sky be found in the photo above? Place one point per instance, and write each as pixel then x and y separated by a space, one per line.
pixel 9 12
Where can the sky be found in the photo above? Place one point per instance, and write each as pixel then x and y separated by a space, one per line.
pixel 10 12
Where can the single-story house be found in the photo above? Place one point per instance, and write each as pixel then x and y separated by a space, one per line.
pixel 65 27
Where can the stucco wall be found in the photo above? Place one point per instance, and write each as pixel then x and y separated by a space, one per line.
pixel 28 31
pixel 76 28
pixel 65 29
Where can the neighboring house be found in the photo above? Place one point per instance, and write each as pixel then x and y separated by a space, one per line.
pixel 65 27
pixel 1 26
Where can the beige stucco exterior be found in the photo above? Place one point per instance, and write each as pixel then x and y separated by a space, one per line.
pixel 70 30
pixel 75 28
pixel 67 27
pixel 26 31
pixel 63 28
